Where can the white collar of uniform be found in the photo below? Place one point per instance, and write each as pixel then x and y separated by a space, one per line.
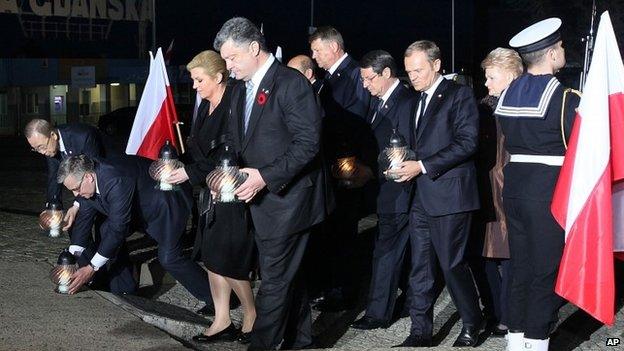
pixel 256 79
pixel 313 81
pixel 334 67
pixel 60 140
pixel 386 96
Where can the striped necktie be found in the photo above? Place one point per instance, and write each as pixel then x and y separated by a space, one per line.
pixel 249 99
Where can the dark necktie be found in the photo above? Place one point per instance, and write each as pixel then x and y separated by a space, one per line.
pixel 380 104
pixel 421 111
pixel 423 103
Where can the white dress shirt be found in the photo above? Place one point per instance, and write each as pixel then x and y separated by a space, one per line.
pixel 429 93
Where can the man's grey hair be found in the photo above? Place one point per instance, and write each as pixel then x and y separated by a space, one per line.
pixel 75 166
pixel 428 47
pixel 242 32
pixel 38 126
pixel 328 33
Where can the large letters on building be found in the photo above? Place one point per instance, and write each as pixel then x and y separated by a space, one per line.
pixel 116 10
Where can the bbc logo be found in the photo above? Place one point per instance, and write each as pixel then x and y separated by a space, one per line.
pixel 613 341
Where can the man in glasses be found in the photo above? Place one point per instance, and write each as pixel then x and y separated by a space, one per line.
pixel 59 143
pixel 389 113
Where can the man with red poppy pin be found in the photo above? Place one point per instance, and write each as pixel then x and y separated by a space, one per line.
pixel 275 126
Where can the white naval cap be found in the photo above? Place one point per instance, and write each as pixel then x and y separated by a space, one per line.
pixel 537 36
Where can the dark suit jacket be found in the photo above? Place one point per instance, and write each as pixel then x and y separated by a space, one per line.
pixel 207 134
pixel 396 114
pixel 345 102
pixel 282 142
pixel 445 140
pixel 78 139
pixel 129 198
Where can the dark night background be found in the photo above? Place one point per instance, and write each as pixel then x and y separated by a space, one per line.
pixel 392 25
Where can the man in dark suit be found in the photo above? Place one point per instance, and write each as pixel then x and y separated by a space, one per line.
pixel 315 264
pixel 275 126
pixel 390 112
pixel 305 65
pixel 345 103
pixel 444 137
pixel 122 190
pixel 59 143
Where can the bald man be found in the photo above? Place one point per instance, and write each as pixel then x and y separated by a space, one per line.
pixel 305 65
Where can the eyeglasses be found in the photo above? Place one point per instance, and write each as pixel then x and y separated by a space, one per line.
pixel 369 79
pixel 77 188
pixel 41 148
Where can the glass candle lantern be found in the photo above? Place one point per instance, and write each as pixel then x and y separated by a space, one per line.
pixel 61 273
pixel 395 152
pixel 167 162
pixel 344 169
pixel 226 178
pixel 51 219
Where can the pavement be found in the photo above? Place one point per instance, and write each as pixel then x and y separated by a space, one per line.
pixel 33 317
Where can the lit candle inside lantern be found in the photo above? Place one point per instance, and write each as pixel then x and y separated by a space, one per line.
pixel 55 223
pixel 227 188
pixel 346 167
pixel 64 280
pixel 165 172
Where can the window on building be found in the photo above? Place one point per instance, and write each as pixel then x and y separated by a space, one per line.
pixel 32 103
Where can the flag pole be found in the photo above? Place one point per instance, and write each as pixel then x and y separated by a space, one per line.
pixel 179 134
pixel 589 47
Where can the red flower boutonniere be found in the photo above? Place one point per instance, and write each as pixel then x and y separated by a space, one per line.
pixel 262 97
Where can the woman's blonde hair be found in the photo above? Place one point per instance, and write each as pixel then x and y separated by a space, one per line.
pixel 211 62
pixel 506 59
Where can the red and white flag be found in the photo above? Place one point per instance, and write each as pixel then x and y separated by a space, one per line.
pixel 587 184
pixel 156 114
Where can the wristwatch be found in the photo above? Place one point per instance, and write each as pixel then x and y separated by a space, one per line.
pixel 94 267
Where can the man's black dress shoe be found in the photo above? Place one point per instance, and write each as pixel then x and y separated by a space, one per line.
pixel 368 323
pixel 228 334
pixel 207 310
pixel 499 332
pixel 415 341
pixel 469 336
pixel 244 338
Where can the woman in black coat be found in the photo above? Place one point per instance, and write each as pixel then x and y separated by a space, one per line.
pixel 224 237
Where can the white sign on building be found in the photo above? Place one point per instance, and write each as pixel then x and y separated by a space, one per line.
pixel 83 76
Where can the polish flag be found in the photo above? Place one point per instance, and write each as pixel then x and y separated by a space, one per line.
pixel 156 114
pixel 588 184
